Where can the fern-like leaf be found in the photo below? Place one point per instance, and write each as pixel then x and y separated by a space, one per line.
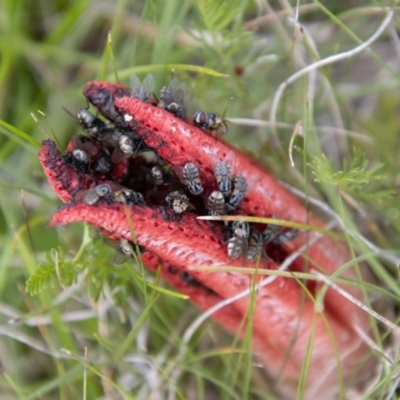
pixel 44 277
pixel 47 275
pixel 357 178
pixel 217 14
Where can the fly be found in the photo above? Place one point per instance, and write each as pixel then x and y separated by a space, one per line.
pixel 143 91
pixel 241 187
pixel 239 190
pixel 95 127
pixel 128 196
pixel 80 156
pixel 286 236
pixel 271 232
pixel 215 203
pixel 238 242
pixel 172 98
pixel 127 145
pixel 255 247
pixel 123 250
pixel 191 178
pixel 179 202
pixel 92 196
pixel 92 125
pixel 223 172
pixel 209 120
pixel 158 176
pixel 277 235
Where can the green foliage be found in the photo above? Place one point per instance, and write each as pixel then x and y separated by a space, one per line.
pixel 221 38
pixel 56 270
pixel 103 274
pixel 357 178
pixel 56 48
pixel 217 14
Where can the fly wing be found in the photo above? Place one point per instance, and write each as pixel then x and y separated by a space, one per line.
pixel 173 84
pixel 183 98
pixel 148 85
pixel 179 93
pixel 135 86
pixel 114 244
pixel 95 234
pixel 71 115
pixel 120 258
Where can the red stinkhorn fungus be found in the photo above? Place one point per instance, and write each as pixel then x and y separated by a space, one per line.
pixel 285 320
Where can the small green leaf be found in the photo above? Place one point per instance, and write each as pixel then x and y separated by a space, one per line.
pixel 47 275
pixel 68 274
pixel 357 178
pixel 44 277
pixel 217 14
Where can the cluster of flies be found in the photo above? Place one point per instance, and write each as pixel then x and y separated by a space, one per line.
pixel 248 242
pixel 230 189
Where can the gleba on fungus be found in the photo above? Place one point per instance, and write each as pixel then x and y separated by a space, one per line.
pixel 285 321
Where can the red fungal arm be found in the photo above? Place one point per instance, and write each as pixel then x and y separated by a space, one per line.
pixel 283 313
pixel 178 143
pixel 65 181
pixel 278 305
pixel 284 317
pixel 228 317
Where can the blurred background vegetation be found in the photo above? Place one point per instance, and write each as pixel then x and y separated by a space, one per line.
pixel 348 111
